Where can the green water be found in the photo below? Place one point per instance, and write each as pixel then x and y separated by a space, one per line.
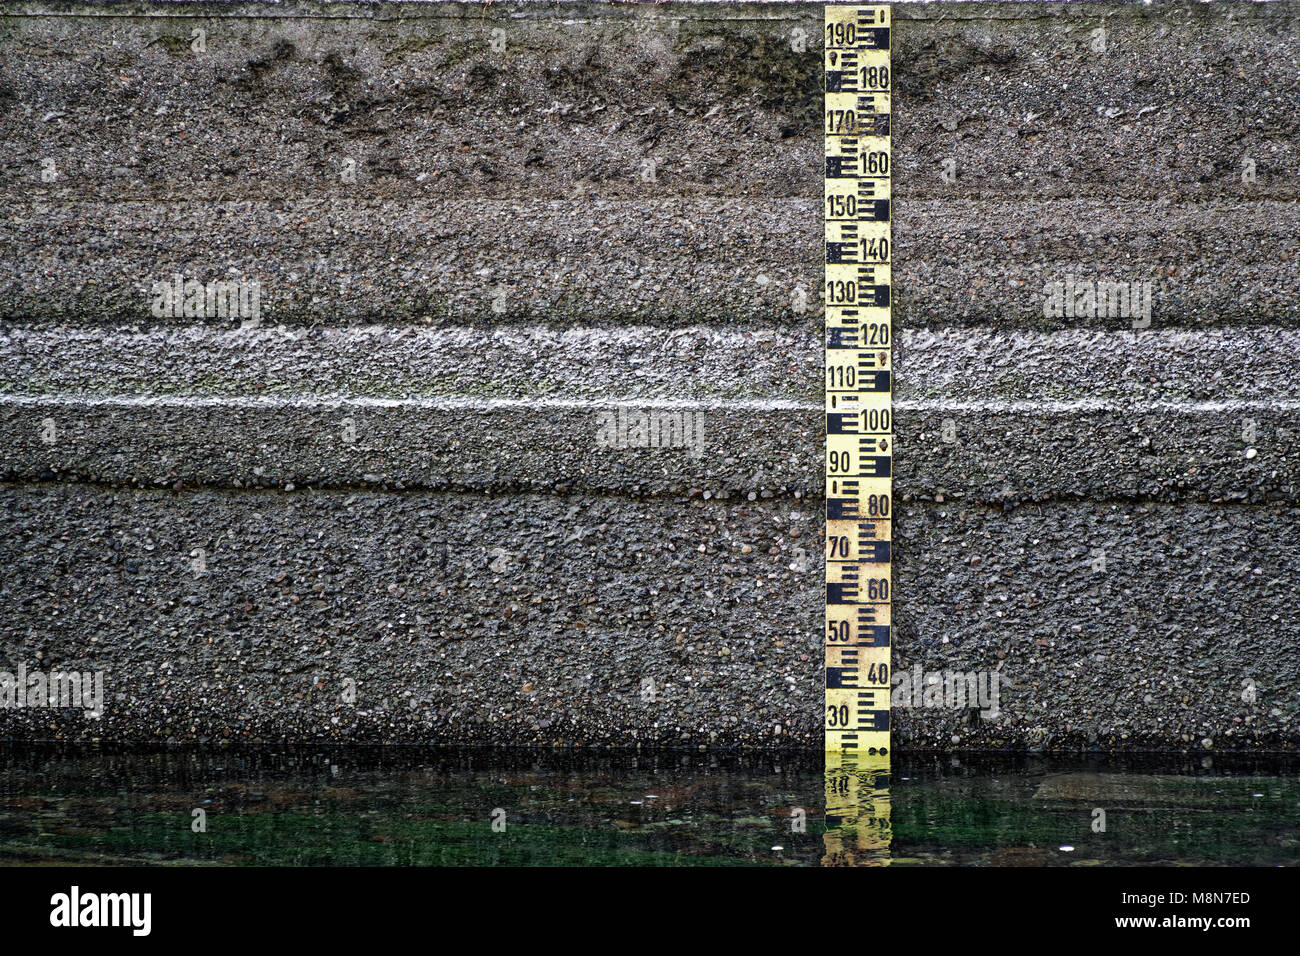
pixel 411 806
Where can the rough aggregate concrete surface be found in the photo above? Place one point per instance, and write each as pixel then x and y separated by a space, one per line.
pixel 383 514
pixel 467 617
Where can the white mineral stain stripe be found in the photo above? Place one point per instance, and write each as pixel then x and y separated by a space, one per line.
pixel 1101 404
pixel 450 402
pixel 1119 341
pixel 476 403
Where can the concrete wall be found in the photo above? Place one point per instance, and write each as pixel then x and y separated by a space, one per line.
pixel 395 479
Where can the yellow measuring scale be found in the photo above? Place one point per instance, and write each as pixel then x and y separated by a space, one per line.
pixel 859 431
